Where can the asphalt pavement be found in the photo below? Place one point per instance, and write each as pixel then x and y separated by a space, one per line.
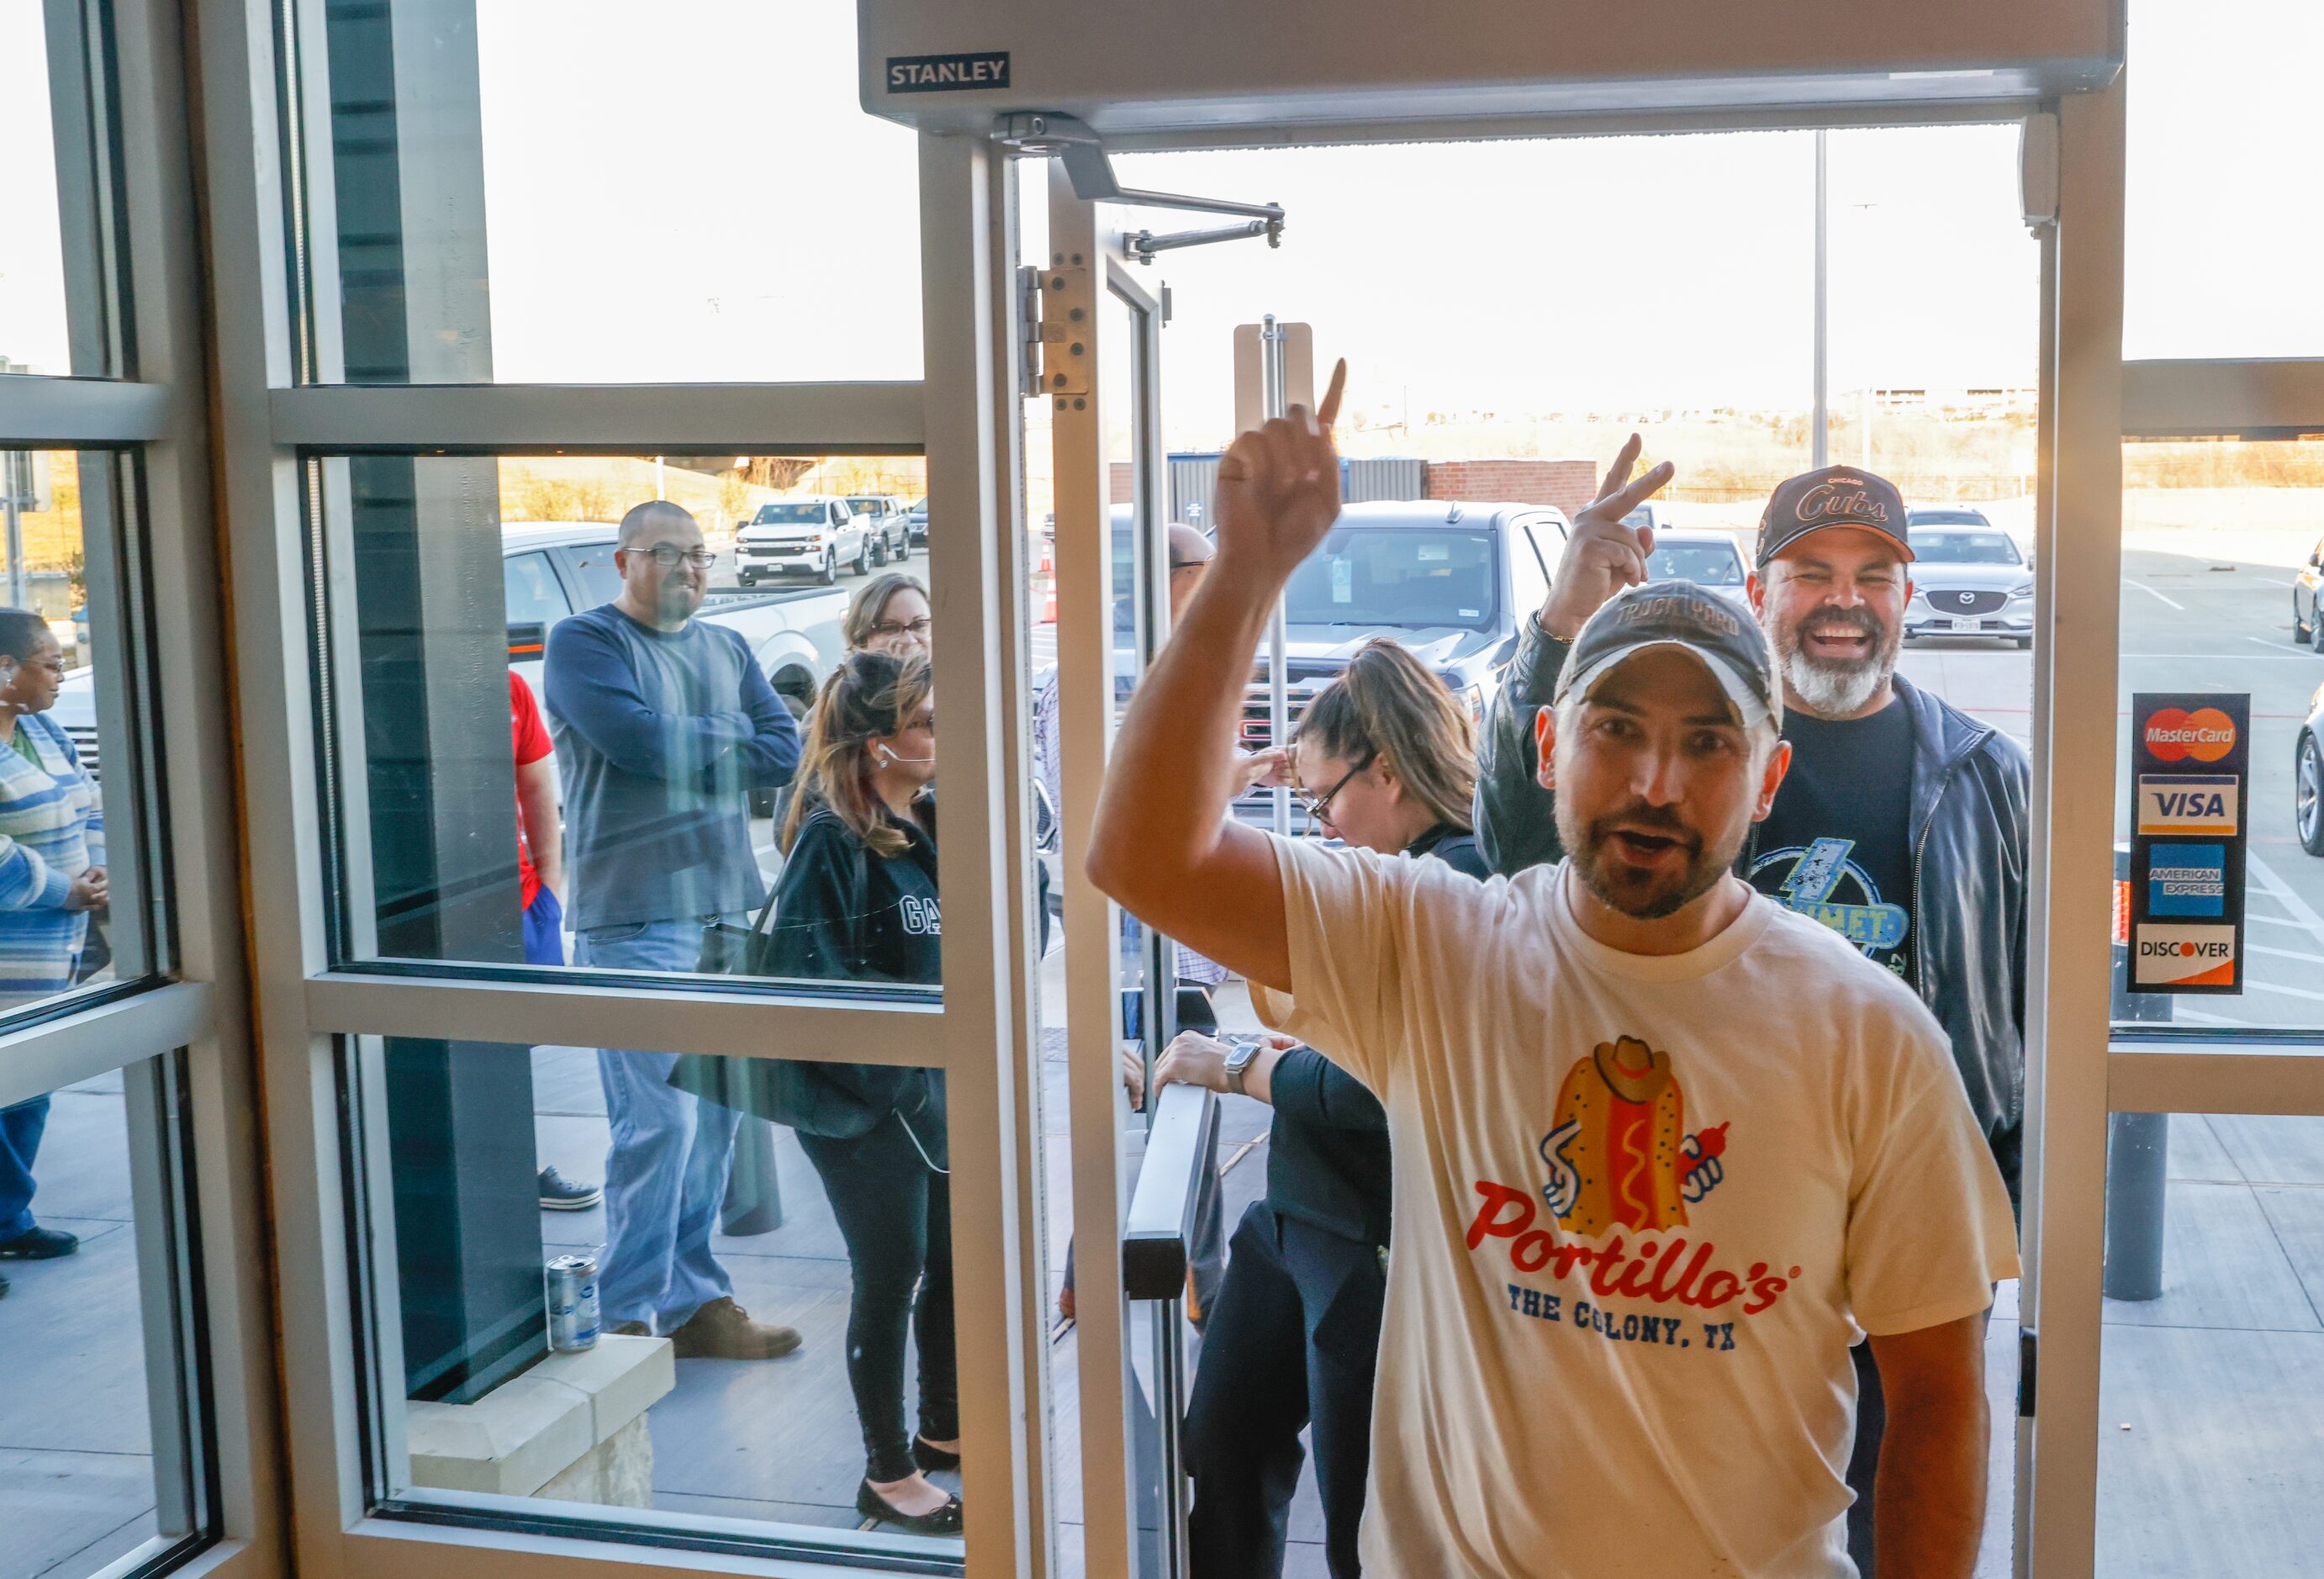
pixel 2193 622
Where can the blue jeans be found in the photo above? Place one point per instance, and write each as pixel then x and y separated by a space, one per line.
pixel 20 1143
pixel 666 1170
pixel 544 928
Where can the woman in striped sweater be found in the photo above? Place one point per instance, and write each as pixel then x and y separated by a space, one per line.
pixel 52 876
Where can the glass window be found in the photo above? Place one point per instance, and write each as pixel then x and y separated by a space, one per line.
pixel 101 1443
pixel 2212 1365
pixel 673 187
pixel 676 1294
pixel 1401 577
pixel 1706 562
pixel 54 317
pixel 618 790
pixel 534 595
pixel 2222 130
pixel 1526 575
pixel 76 909
pixel 2219 594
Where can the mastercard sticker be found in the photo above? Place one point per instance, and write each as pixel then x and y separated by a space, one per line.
pixel 2176 735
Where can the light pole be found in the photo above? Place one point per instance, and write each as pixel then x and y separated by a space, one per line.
pixel 1819 426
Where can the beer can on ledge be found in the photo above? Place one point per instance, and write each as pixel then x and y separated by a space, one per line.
pixel 572 1288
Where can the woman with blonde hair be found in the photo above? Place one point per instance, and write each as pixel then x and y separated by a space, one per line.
pixel 857 903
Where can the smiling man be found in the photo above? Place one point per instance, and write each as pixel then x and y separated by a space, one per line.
pixel 1662 1146
pixel 1901 824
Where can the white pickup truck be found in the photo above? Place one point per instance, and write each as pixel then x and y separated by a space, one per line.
pixel 553 569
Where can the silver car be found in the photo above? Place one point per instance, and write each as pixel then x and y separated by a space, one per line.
pixel 1969 578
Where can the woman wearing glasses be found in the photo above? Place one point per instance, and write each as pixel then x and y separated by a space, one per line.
pixel 1386 759
pixel 51 877
pixel 888 613
pixel 857 903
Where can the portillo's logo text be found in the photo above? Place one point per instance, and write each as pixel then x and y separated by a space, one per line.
pixel 2173 735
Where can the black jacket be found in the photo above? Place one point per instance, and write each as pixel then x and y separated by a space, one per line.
pixel 1327 1151
pixel 1967 829
pixel 843 914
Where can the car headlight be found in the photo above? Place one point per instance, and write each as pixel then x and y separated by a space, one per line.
pixel 2022 589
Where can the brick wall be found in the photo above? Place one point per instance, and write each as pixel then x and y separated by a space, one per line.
pixel 1567 484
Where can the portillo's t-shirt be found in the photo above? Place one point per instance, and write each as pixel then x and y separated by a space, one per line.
pixel 1642 1206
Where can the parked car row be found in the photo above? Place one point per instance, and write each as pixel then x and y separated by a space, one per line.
pixel 815 536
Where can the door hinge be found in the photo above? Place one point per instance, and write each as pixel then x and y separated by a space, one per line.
pixel 2029 1349
pixel 1058 311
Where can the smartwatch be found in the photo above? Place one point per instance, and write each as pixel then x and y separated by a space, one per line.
pixel 1238 1062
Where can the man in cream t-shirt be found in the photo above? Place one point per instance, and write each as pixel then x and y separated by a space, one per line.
pixel 1661 1147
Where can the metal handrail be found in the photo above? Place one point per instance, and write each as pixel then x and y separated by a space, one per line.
pixel 1155 1239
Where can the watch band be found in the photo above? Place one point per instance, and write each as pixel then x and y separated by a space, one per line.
pixel 1238 1062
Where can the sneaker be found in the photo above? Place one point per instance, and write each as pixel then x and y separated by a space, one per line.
pixel 38 1245
pixel 723 1330
pixel 559 1194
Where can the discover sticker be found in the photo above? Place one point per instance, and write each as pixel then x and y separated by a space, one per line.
pixel 2183 957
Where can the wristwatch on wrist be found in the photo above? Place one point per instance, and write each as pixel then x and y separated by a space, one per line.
pixel 1237 1062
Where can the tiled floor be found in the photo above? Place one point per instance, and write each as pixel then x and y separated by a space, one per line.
pixel 75 1455
pixel 2219 1382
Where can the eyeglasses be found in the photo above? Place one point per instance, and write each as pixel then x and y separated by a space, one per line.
pixel 667 554
pixel 915 629
pixel 1316 808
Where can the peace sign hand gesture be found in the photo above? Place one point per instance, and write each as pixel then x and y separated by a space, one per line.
pixel 1279 490
pixel 1602 556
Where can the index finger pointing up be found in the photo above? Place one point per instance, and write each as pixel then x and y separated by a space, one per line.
pixel 1329 411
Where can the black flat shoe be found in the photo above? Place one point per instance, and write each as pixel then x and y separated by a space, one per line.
pixel 944 1520
pixel 38 1245
pixel 929 1455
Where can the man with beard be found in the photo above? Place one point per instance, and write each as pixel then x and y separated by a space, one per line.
pixel 1662 1146
pixel 1901 823
pixel 663 725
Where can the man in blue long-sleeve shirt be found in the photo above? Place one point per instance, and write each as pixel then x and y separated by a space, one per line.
pixel 663 725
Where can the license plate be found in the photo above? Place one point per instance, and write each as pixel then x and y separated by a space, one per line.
pixel 1967 624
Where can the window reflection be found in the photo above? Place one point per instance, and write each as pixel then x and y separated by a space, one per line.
pixel 633 818
pixel 496 183
pixel 74 909
pixel 101 1459
pixel 771 1262
pixel 2220 565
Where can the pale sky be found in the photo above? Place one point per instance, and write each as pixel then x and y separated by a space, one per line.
pixel 693 193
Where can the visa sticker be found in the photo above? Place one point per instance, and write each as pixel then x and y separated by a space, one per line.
pixel 2187 803
pixel 1343 579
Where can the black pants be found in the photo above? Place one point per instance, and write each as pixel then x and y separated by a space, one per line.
pixel 1864 1462
pixel 895 1214
pixel 1294 1341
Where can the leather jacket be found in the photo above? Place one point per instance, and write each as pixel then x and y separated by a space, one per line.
pixel 1970 867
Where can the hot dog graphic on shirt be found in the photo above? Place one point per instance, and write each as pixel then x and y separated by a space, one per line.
pixel 1620 1155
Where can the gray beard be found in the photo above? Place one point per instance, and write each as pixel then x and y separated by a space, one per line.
pixel 1837 691
pixel 1831 690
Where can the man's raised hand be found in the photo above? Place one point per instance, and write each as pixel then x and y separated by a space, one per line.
pixel 1278 490
pixel 1602 556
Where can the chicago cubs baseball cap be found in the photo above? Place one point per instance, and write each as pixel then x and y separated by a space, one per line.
pixel 1832 496
pixel 1678 614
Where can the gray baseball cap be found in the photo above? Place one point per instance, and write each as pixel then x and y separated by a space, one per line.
pixel 1678 614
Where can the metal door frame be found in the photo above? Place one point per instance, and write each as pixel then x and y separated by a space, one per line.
pixel 2078 511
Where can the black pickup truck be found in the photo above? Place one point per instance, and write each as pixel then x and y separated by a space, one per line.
pixel 1448 578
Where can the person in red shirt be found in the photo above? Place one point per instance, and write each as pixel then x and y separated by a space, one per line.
pixel 540 872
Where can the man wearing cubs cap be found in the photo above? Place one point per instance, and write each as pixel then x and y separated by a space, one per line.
pixel 1901 823
pixel 1662 1147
